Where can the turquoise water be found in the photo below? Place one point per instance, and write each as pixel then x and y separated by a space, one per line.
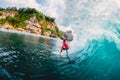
pixel 28 57
pixel 95 48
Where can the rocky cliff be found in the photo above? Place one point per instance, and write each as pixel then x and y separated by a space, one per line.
pixel 29 21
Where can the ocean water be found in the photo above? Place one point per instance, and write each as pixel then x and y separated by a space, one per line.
pixel 95 49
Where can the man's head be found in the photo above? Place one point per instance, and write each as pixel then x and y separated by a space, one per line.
pixel 64 40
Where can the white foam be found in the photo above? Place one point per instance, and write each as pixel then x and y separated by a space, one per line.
pixel 4 54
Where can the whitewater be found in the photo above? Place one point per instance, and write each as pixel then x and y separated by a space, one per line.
pixel 95 25
pixel 96 45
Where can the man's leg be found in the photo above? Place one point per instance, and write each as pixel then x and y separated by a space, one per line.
pixel 61 52
pixel 67 53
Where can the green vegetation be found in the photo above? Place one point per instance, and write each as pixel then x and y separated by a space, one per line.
pixel 1 9
pixel 56 31
pixel 13 21
pixel 23 14
pixel 0 14
pixel 59 33
pixel 11 8
pixel 2 21
pixel 49 19
pixel 28 12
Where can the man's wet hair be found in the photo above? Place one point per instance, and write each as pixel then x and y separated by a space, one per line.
pixel 64 40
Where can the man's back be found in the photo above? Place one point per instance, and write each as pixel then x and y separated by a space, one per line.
pixel 65 45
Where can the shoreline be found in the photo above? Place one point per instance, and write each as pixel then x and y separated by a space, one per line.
pixel 26 33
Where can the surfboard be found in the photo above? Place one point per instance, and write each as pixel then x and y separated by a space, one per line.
pixel 68 59
pixel 71 60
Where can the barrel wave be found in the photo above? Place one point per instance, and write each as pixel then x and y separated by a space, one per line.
pixel 95 47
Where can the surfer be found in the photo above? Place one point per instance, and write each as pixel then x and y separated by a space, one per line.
pixel 64 47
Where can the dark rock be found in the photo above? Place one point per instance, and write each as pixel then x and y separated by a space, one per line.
pixel 68 35
pixel 53 34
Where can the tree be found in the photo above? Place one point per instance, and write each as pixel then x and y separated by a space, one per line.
pixel 50 19
pixel 1 9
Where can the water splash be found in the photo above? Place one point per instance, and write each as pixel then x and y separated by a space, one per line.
pixel 93 19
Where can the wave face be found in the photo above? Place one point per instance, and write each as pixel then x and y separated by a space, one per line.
pixel 93 19
pixel 96 24
pixel 95 48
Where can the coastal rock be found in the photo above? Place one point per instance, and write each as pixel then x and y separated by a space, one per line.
pixel 36 31
pixel 20 29
pixel 45 26
pixel 53 34
pixel 6 13
pixel 47 33
pixel 33 25
pixel 51 26
pixel 0 26
pixel 68 35
pixel 7 26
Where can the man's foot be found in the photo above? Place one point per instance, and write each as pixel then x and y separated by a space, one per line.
pixel 68 56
